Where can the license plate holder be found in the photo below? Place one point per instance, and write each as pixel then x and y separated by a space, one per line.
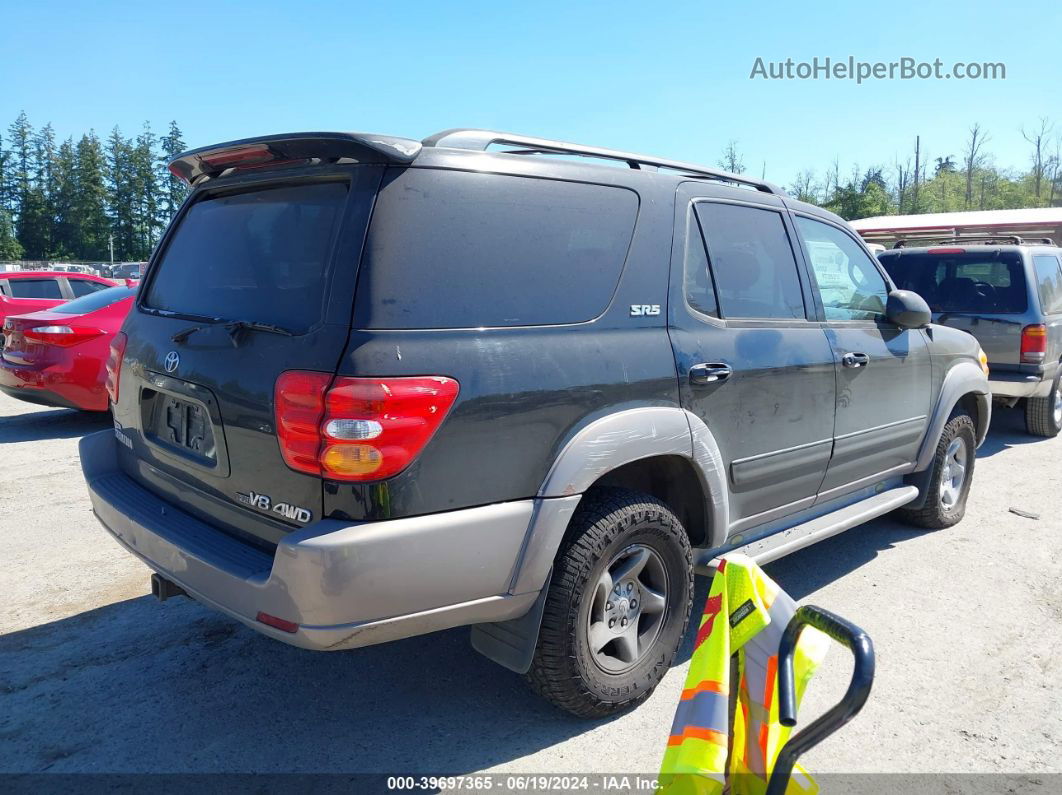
pixel 184 426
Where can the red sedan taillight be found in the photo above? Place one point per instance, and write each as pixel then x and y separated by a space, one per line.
pixel 358 429
pixel 1033 344
pixel 114 364
pixel 64 336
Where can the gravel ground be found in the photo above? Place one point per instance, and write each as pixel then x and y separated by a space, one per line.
pixel 96 676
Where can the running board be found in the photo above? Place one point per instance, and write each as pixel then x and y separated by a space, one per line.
pixel 781 543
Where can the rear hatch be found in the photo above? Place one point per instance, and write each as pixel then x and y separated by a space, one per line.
pixel 255 278
pixel 982 291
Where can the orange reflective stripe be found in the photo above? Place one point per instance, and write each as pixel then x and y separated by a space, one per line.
pixel 711 610
pixel 772 673
pixel 697 733
pixel 707 686
pixel 768 694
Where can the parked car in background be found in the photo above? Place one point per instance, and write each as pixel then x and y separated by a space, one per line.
pixel 375 387
pixel 1007 294
pixel 127 270
pixel 58 356
pixel 30 291
pixel 70 267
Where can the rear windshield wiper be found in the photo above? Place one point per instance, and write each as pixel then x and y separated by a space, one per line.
pixel 235 329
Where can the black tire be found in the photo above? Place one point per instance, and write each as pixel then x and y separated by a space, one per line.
pixel 937 513
pixel 1041 414
pixel 609 524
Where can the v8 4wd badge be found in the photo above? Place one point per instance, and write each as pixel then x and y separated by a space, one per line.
pixel 264 502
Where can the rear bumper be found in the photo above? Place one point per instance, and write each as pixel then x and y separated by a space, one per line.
pixel 50 386
pixel 1020 385
pixel 345 585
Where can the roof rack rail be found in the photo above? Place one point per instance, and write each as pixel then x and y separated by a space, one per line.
pixel 481 140
pixel 1012 240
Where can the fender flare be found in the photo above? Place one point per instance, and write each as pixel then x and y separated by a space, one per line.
pixel 596 449
pixel 962 379
pixel 631 435
pixel 603 445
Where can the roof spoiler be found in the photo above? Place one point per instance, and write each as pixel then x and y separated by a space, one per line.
pixel 208 162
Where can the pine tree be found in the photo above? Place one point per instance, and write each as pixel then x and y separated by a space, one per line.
pixel 66 234
pixel 94 227
pixel 10 248
pixel 18 171
pixel 174 191
pixel 144 178
pixel 21 134
pixel 120 195
pixel 5 199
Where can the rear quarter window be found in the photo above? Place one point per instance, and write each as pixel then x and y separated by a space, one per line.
pixel 1049 283
pixel 82 287
pixel 454 249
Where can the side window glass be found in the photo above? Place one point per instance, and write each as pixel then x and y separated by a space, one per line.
pixel 700 292
pixel 85 287
pixel 34 288
pixel 1049 284
pixel 752 262
pixel 850 285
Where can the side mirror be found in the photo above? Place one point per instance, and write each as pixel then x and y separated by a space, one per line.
pixel 908 310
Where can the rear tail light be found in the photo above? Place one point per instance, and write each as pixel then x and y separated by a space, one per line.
pixel 61 335
pixel 114 364
pixel 358 429
pixel 946 251
pixel 1033 344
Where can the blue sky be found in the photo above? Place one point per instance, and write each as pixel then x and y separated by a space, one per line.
pixel 668 78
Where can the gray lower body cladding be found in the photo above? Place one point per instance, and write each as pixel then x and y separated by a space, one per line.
pixel 344 584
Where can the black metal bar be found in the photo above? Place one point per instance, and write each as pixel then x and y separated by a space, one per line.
pixel 481 140
pixel 1013 240
pixel 858 642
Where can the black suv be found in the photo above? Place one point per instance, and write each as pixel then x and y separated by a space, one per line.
pixel 374 387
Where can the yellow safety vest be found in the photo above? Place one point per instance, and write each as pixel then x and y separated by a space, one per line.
pixel 745 614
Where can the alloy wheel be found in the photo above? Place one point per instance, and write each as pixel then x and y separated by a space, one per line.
pixel 953 474
pixel 627 608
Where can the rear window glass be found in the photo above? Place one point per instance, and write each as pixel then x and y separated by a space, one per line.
pixel 1049 283
pixel 257 256
pixel 970 282
pixel 454 249
pixel 34 288
pixel 94 301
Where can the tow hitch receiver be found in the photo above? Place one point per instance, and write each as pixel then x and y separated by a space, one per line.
pixel 162 589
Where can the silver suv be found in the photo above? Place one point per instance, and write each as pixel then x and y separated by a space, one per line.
pixel 1009 296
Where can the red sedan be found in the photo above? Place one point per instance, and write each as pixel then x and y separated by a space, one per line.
pixel 57 357
pixel 31 291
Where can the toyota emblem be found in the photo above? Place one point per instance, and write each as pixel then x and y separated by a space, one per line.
pixel 172 360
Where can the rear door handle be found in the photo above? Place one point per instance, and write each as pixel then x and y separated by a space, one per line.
pixel 855 360
pixel 709 373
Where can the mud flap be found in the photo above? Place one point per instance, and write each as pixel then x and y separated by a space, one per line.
pixel 512 643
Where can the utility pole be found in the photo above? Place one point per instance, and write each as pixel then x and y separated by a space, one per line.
pixel 917 166
pixel 110 242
